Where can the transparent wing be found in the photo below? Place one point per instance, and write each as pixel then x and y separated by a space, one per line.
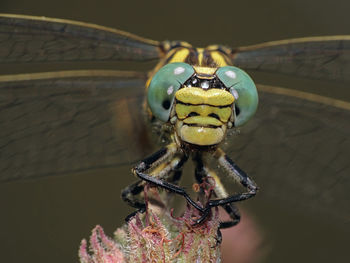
pixel 61 122
pixel 312 57
pixel 41 39
pixel 297 148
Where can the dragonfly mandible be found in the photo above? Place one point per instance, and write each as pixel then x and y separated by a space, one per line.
pixel 301 124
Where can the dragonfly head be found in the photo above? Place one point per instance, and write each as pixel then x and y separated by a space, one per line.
pixel 202 103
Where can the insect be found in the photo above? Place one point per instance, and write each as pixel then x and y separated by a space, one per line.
pixel 200 95
pixel 29 141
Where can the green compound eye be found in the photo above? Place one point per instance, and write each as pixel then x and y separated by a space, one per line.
pixel 239 82
pixel 163 86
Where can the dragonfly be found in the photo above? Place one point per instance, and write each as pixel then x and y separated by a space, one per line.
pixel 54 123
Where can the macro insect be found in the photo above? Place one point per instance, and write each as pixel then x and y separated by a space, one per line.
pixel 198 93
pixel 201 95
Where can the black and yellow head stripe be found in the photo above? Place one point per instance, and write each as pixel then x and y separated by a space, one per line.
pixel 186 111
pixel 202 104
pixel 199 96
pixel 210 104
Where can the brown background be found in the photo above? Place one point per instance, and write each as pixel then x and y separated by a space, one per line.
pixel 44 220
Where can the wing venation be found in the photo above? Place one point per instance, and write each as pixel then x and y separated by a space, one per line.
pixel 311 57
pixel 40 39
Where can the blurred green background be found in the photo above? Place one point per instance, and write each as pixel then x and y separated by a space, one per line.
pixel 45 220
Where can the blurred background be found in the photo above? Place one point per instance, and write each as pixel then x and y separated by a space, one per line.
pixel 44 220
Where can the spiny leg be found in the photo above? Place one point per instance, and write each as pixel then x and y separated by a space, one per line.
pixel 234 214
pixel 176 174
pixel 158 176
pixel 239 176
pixel 167 152
pixel 163 170
pixel 221 192
pixel 129 195
pixel 201 172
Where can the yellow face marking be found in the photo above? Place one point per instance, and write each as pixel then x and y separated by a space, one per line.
pixel 197 96
pixel 182 111
pixel 203 120
pixel 205 70
pixel 200 135
pixel 202 129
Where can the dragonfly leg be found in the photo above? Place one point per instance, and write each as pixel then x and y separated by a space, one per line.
pixel 235 216
pixel 177 171
pixel 160 173
pixel 224 199
pixel 129 195
pixel 201 172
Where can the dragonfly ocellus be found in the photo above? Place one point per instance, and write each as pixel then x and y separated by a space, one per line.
pixel 58 122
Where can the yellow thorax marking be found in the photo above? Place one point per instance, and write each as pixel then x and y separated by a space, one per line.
pixel 200 55
pixel 180 55
pixel 218 58
pixel 198 96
